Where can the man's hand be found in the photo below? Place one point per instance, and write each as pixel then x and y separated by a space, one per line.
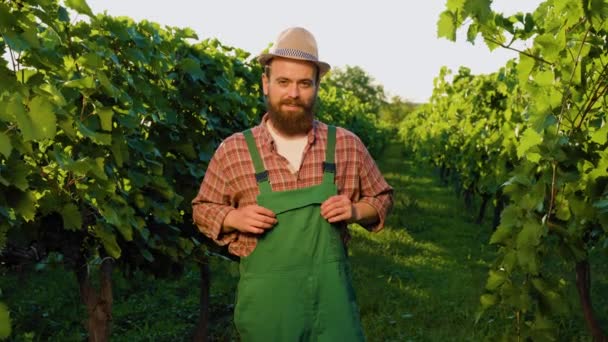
pixel 341 208
pixel 338 208
pixel 250 219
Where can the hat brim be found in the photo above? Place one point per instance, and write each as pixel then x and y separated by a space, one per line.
pixel 266 57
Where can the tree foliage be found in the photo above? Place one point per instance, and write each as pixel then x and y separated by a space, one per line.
pixel 535 131
pixel 362 85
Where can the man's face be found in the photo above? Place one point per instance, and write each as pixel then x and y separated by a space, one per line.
pixel 291 91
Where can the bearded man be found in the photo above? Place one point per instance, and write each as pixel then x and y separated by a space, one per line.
pixel 281 194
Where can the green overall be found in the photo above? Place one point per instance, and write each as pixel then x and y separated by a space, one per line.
pixel 295 285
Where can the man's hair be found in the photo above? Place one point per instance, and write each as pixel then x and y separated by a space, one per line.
pixel 267 71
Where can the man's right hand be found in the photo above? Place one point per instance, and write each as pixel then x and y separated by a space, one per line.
pixel 249 219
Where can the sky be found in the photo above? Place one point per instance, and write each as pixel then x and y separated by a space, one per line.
pixel 394 41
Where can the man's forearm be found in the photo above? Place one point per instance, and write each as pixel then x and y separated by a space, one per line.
pixel 364 214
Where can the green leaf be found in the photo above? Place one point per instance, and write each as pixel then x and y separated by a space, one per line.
pixel 487 300
pixel 509 260
pixel 5 322
pixel 80 6
pixel 119 149
pixel 528 23
pixel 17 109
pixel 533 157
pixel 524 68
pixel 7 19
pixel 549 296
pixel 455 5
pixel 511 216
pixel 530 234
pixel 108 239
pixel 446 26
pixel 526 258
pixel 472 33
pixel 41 123
pixel 106 84
pixel 105 117
pixel 602 206
pixel 18 173
pixel 192 67
pixel 116 219
pixel 90 60
pixel 67 125
pixel 25 205
pixel 55 94
pixel 97 168
pixel 146 254
pixel 563 211
pixel 529 139
pixel 98 138
pixel 5 145
pixel 527 241
pixel 480 9
pixel 87 82
pixel 544 78
pixel 30 35
pixel 44 121
pixel 601 135
pixel 549 46
pixel 502 233
pixel 72 218
pixel 495 279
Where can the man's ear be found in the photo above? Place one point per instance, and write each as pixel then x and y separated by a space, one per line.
pixel 265 84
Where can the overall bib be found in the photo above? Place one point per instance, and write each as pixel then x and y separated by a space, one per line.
pixel 295 285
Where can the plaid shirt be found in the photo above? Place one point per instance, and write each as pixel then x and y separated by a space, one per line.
pixel 230 180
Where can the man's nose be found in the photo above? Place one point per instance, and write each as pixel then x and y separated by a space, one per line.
pixel 293 91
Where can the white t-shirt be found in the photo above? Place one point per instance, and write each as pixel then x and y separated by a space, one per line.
pixel 290 148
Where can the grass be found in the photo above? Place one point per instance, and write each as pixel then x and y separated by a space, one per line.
pixel 418 280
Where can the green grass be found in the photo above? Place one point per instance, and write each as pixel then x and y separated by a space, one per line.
pixel 418 280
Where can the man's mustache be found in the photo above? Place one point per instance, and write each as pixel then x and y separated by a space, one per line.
pixel 292 103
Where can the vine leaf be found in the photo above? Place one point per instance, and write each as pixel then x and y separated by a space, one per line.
pixel 529 139
pixel 108 239
pixel 44 121
pixel 601 135
pixel 479 8
pixel 5 145
pixel 105 117
pixel 72 219
pixel 446 26
pixel 80 6
pixel 25 205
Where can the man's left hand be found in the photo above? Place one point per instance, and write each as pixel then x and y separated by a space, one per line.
pixel 338 208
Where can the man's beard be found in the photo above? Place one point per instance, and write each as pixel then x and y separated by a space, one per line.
pixel 291 123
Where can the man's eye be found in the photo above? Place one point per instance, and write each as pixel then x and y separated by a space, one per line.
pixel 282 82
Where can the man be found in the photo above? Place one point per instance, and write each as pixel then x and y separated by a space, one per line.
pixel 280 195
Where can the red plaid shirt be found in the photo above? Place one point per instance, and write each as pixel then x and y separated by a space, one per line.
pixel 230 180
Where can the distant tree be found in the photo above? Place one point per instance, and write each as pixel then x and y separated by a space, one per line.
pixel 394 111
pixel 356 80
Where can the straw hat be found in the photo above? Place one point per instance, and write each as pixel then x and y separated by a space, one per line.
pixel 295 43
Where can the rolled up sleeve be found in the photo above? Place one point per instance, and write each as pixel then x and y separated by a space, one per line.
pixel 213 202
pixel 375 191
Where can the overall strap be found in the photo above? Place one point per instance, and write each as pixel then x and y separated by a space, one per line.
pixel 329 166
pixel 261 174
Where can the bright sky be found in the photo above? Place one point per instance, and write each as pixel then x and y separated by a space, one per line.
pixel 393 41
